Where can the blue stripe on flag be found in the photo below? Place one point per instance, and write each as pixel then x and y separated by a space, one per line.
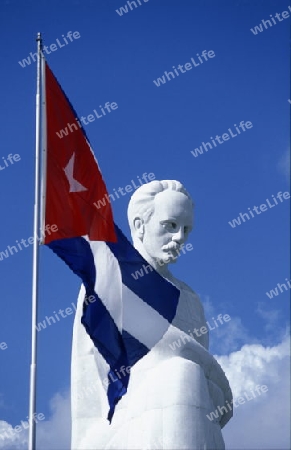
pixel 135 349
pixel 77 254
pixel 152 288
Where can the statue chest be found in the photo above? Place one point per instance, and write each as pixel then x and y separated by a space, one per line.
pixel 190 317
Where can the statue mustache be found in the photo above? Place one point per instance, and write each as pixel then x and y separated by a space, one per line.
pixel 171 246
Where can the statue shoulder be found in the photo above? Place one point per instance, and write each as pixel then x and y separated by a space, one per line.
pixel 189 294
pixel 183 286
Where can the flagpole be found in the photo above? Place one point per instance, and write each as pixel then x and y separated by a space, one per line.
pixel 36 223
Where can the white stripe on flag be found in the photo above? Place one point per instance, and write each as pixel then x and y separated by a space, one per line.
pixel 108 284
pixel 141 320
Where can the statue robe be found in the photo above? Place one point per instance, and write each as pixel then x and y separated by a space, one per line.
pixel 171 390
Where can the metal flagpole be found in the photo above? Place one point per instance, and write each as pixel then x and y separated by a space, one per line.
pixel 36 223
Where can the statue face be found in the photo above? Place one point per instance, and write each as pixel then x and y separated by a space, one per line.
pixel 169 226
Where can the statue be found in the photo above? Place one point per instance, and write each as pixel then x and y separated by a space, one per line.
pixel 174 387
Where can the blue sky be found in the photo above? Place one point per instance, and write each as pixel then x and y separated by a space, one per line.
pixel 154 129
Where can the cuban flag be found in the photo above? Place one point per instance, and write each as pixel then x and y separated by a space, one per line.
pixel 126 317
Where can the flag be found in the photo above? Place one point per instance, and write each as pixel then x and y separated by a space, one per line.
pixel 69 197
pixel 125 317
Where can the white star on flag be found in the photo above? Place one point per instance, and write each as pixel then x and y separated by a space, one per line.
pixel 75 186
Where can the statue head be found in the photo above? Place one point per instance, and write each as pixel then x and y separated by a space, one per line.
pixel 160 216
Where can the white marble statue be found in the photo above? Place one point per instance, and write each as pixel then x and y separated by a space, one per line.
pixel 173 388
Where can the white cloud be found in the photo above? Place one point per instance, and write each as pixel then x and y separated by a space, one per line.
pixel 283 165
pixel 264 422
pixel 274 323
pixel 227 336
pixel 51 434
pixel 10 439
pixel 208 306
pixel 270 316
pixel 55 433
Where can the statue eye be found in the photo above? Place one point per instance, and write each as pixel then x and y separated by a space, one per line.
pixel 186 230
pixel 171 226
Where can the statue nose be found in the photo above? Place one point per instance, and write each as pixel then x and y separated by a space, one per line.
pixel 179 236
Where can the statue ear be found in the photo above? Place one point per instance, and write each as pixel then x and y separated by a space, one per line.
pixel 138 224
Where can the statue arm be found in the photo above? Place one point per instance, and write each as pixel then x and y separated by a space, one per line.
pixel 219 388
